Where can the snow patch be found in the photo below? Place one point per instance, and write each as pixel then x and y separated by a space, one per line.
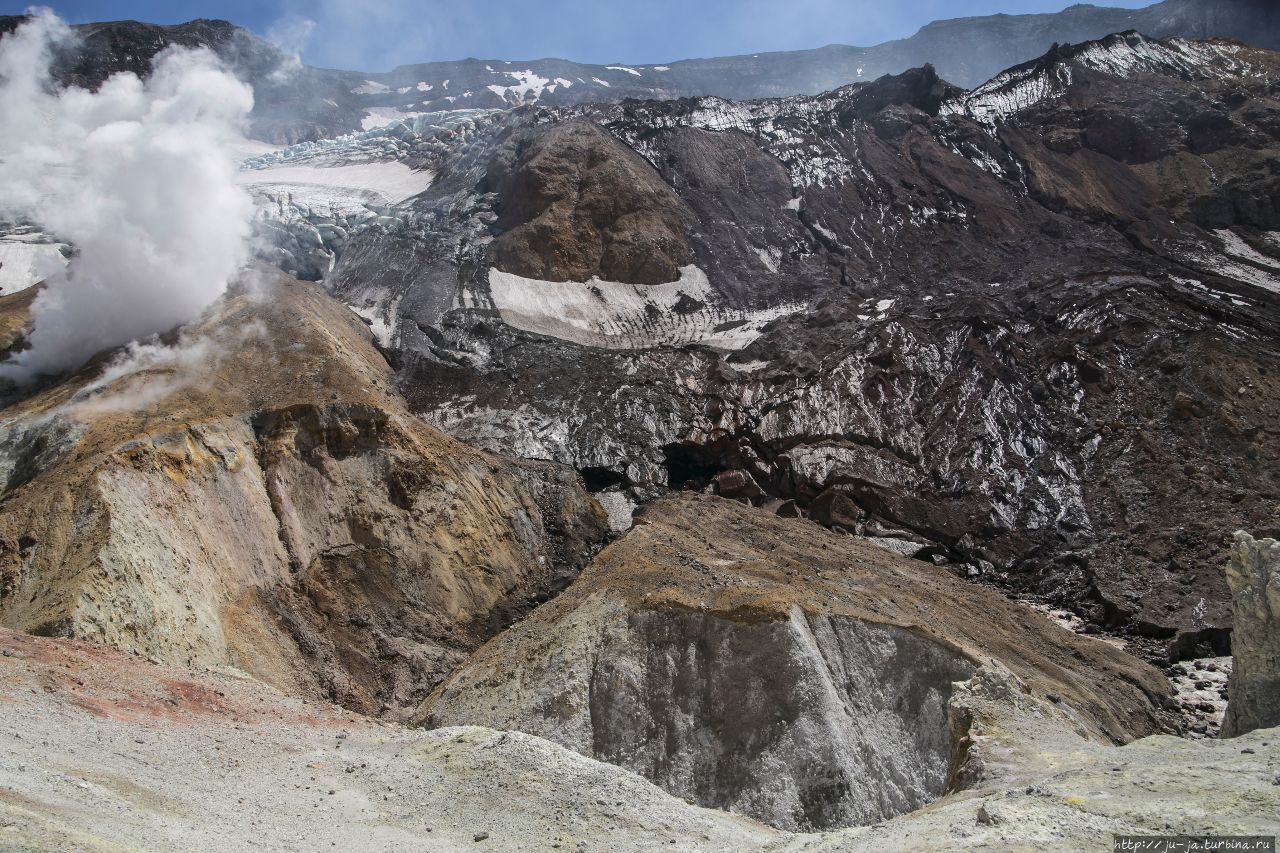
pixel 346 187
pixel 25 261
pixel 528 89
pixel 371 87
pixel 381 323
pixel 770 257
pixel 613 315
pixel 623 68
pixel 375 117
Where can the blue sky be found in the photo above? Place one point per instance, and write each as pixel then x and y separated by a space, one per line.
pixel 376 35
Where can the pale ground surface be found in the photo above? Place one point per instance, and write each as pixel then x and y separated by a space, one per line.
pixel 103 751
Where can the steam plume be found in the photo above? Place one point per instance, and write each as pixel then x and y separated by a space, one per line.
pixel 139 176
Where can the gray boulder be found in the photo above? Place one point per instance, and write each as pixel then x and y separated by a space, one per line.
pixel 1254 689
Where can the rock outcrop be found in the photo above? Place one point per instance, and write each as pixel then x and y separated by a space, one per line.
pixel 578 204
pixel 1254 687
pixel 769 667
pixel 259 497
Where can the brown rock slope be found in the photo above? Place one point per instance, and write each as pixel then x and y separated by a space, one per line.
pixel 262 499
pixel 578 203
pixel 771 667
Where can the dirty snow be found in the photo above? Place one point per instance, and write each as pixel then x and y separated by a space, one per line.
pixel 382 116
pixel 371 87
pixel 613 315
pixel 770 257
pixel 342 187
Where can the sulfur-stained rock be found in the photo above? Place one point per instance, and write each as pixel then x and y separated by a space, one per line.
pixel 272 506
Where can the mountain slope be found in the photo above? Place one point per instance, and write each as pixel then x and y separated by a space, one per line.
pixel 302 526
pixel 1027 331
pixel 297 102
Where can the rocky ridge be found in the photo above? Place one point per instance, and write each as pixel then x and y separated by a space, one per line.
pixel 768 667
pixel 296 102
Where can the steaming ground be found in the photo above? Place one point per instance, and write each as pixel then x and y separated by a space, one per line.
pixel 139 176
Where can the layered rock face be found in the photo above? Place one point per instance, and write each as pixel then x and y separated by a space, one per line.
pixel 300 526
pixel 1254 687
pixel 772 668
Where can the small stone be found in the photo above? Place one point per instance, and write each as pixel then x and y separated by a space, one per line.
pixel 1246 751
pixel 480 836
pixel 1054 698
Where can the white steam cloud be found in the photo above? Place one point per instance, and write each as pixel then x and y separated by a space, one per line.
pixel 139 176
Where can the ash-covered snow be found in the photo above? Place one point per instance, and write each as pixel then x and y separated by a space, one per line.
pixel 1235 259
pixel 340 187
pixel 613 315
